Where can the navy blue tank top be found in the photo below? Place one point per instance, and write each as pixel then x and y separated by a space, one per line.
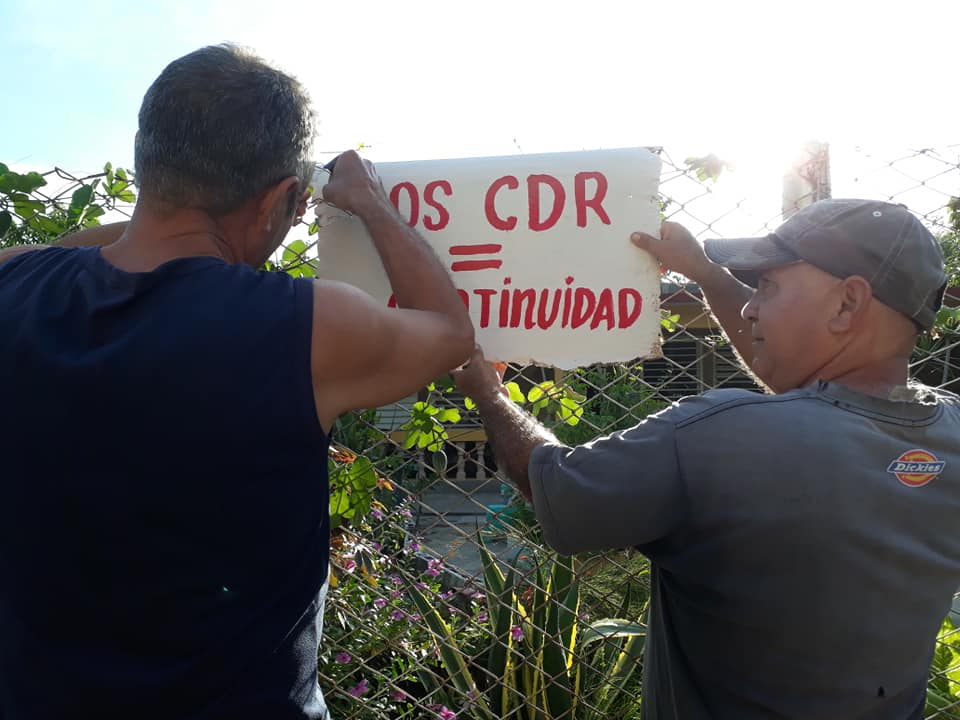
pixel 164 517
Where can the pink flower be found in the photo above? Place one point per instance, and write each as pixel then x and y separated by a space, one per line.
pixel 482 616
pixel 397 615
pixel 349 565
pixel 406 513
pixel 395 579
pixel 443 712
pixel 376 514
pixel 516 632
pixel 398 696
pixel 395 594
pixel 360 689
pixel 433 567
pixel 343 658
pixel 414 545
pixel 379 603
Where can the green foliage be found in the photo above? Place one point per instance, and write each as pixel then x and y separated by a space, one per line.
pixel 377 659
pixel 540 663
pixel 943 691
pixel 28 215
pixel 352 487
pixel 610 397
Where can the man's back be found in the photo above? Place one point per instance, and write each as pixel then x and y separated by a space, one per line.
pixel 163 501
pixel 796 573
pixel 816 572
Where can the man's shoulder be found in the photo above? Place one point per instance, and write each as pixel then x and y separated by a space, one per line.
pixel 713 405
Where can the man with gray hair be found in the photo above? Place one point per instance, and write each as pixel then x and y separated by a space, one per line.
pixel 803 545
pixel 164 509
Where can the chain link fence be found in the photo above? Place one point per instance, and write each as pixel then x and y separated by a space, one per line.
pixel 444 601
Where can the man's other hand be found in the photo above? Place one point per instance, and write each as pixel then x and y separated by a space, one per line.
pixel 354 185
pixel 677 250
pixel 478 378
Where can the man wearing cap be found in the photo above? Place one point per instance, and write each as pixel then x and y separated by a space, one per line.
pixel 803 544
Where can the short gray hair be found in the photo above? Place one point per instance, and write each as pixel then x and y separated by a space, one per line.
pixel 219 126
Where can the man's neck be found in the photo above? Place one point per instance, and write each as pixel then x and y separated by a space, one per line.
pixel 157 235
pixel 878 379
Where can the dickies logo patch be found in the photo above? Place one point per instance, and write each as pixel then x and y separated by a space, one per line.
pixel 916 468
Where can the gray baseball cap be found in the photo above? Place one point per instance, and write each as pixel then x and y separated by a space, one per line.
pixel 883 243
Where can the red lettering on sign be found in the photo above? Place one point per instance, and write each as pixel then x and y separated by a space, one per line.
pixel 519 296
pixel 475 249
pixel 534 182
pixel 464 265
pixel 580 195
pixel 629 316
pixel 604 310
pixel 443 215
pixel 489 203
pixel 484 305
pixel 543 320
pixel 584 302
pixel 414 200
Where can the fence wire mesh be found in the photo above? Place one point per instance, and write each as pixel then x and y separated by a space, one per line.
pixel 444 601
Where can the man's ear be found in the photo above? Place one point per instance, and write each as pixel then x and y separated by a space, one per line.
pixel 855 295
pixel 278 203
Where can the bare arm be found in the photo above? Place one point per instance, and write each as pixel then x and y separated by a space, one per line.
pixel 514 434
pixel 676 249
pixel 365 354
pixel 95 236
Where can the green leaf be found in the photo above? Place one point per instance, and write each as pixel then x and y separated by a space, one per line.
pixel 361 473
pixel 339 502
pixel 439 461
pixel 413 438
pixel 516 394
pixel 126 196
pixel 451 415
pixel 451 655
pixel 570 411
pixel 502 690
pixel 469 404
pixel 8 182
pixel 81 197
pixel 4 169
pixel 610 628
pixel 29 182
pixel 25 207
pixel 294 252
pixel 5 222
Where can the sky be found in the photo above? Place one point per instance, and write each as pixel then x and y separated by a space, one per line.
pixel 749 81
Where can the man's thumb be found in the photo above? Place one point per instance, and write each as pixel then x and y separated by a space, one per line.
pixel 641 240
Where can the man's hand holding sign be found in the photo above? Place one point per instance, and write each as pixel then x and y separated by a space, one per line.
pixel 537 245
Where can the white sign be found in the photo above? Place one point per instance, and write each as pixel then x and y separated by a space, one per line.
pixel 537 245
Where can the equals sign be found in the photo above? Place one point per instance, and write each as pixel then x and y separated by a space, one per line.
pixel 465 265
